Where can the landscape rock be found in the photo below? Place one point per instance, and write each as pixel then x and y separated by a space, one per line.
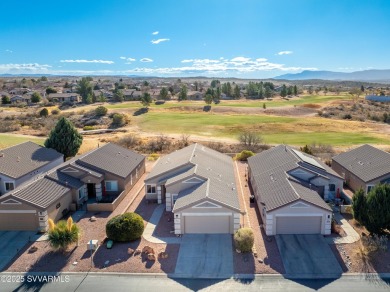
pixel 151 257
pixel 137 252
pixel 130 251
pixel 92 219
pixel 148 250
pixel 163 255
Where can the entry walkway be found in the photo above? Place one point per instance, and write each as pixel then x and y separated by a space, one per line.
pixel 351 237
pixel 151 226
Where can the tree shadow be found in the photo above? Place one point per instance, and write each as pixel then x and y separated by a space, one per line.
pixel 141 111
pixel 207 108
pixel 159 102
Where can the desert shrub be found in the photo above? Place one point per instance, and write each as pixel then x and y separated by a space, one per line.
pixel 125 227
pixel 101 111
pixel 347 117
pixel 153 157
pixel 244 239
pixel 44 112
pixel 88 128
pixel 55 111
pixel 119 120
pixel 375 242
pixel 244 155
pixel 9 126
pixel 63 234
pixel 129 141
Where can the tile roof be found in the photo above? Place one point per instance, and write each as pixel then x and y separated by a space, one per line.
pixel 65 179
pixel 215 167
pixel 366 162
pixel 276 187
pixel 112 158
pixel 21 159
pixel 42 192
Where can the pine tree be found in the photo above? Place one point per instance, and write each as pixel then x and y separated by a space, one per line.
pixel 359 206
pixel 283 93
pixel 64 138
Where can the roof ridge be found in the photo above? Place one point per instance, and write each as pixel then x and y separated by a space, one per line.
pixel 192 153
pixel 295 191
pixel 207 187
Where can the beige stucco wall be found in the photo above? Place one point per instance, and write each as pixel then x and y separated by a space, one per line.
pixel 353 181
pixel 17 216
pixel 65 201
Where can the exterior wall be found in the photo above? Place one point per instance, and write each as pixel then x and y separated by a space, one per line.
pixel 179 217
pixel 320 181
pixel 29 176
pixel 310 210
pixel 56 213
pixel 352 180
pixel 17 216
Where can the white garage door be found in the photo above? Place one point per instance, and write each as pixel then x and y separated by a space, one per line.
pixel 207 224
pixel 298 225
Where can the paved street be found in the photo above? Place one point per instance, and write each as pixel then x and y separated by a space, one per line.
pixel 127 282
pixel 306 254
pixel 205 255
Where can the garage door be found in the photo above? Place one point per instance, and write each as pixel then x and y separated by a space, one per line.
pixel 207 224
pixel 298 225
pixel 25 221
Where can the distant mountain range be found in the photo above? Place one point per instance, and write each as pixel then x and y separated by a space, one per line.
pixel 365 75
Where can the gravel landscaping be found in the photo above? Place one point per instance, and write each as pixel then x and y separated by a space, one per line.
pixel 117 259
pixel 268 260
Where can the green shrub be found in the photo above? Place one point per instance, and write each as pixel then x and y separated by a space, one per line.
pixel 153 157
pixel 244 155
pixel 63 234
pixel 44 112
pixel 88 128
pixel 101 111
pixel 125 227
pixel 244 239
pixel 119 120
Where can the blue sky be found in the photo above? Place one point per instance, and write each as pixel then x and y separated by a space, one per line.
pixel 223 38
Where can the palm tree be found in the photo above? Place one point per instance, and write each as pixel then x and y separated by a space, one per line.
pixel 63 234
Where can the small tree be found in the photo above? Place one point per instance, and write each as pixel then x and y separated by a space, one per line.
pixel 5 99
pixel 146 99
pixel 50 90
pixel 244 239
pixel 183 93
pixel 118 95
pixel 208 98
pixel 125 227
pixel 164 93
pixel 36 97
pixel 264 106
pixel 306 149
pixel 119 120
pixel 283 92
pixel 359 206
pixel 101 111
pixel 250 140
pixel 84 88
pixel 63 234
pixel 64 138
pixel 244 155
pixel 44 113
pixel 378 209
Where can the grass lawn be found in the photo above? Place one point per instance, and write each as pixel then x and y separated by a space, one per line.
pixel 274 129
pixel 313 99
pixel 7 140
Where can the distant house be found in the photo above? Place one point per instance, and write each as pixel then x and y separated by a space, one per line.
pixel 290 189
pixel 363 167
pixel 132 94
pixel 195 95
pixel 105 174
pixel 198 185
pixel 64 97
pixel 379 98
pixel 20 99
pixel 23 162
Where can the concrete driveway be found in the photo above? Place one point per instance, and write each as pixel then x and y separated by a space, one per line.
pixel 205 256
pixel 307 255
pixel 10 243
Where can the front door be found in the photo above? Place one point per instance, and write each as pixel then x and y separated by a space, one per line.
pixel 163 191
pixel 91 190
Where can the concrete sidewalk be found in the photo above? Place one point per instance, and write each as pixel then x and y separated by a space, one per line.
pixel 351 237
pixel 151 226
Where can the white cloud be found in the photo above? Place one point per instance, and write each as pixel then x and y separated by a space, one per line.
pixel 8 51
pixel 87 61
pixel 146 60
pixel 240 59
pixel 24 68
pixel 284 53
pixel 156 42
pixel 187 61
pixel 128 60
pixel 155 33
pixel 123 58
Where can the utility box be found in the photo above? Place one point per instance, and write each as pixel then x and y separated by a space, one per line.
pixel 92 244
pixel 252 199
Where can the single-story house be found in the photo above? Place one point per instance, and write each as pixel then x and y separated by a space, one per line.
pixel 198 185
pixel 132 94
pixel 20 98
pixel 195 95
pixel 101 175
pixel 23 162
pixel 290 189
pixel 64 97
pixel 363 167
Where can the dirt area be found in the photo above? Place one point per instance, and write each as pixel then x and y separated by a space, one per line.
pixel 117 259
pixel 268 260
pixel 376 262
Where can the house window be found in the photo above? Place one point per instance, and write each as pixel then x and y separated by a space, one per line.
pixel 332 187
pixel 369 188
pixel 111 185
pixel 150 189
pixel 81 193
pixel 9 186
